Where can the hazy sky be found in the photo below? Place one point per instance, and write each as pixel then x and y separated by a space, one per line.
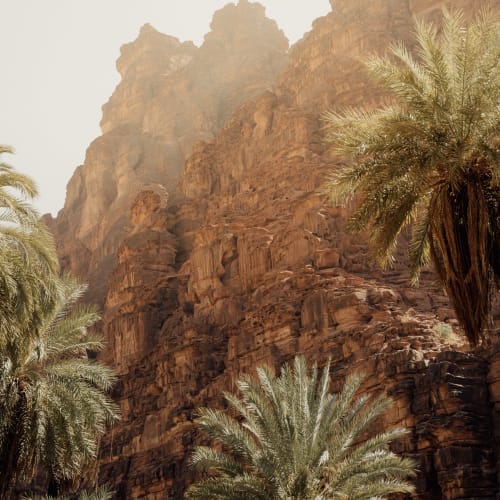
pixel 58 69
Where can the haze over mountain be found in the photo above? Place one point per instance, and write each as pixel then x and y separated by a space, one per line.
pixel 58 69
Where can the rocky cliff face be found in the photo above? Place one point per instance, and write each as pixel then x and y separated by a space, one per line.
pixel 171 95
pixel 246 264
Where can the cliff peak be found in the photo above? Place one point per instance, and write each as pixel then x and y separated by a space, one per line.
pixel 147 28
pixel 235 23
pixel 149 53
pixel 171 95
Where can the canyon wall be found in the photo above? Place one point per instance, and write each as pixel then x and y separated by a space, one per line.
pixel 171 96
pixel 245 262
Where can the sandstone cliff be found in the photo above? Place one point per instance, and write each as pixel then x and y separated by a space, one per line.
pixel 171 95
pixel 246 264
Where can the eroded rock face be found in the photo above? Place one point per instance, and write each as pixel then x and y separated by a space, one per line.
pixel 146 269
pixel 172 95
pixel 246 263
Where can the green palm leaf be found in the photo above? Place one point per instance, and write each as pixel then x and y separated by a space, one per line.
pixel 296 441
pixel 431 160
pixel 54 401
pixel 27 257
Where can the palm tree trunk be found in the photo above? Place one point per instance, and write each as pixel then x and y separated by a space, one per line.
pixel 53 488
pixel 461 246
pixel 10 452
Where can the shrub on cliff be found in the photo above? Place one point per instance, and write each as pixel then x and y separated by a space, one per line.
pixel 296 440
pixel 432 161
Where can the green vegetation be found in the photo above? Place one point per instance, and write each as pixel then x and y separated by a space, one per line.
pixel 298 441
pixel 432 161
pixel 27 257
pixel 53 399
pixel 102 493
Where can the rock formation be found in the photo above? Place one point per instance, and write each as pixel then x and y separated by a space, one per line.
pixel 245 263
pixel 171 96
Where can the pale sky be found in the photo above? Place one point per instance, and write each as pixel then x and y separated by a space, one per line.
pixel 58 69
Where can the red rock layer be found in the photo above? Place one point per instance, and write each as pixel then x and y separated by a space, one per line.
pixel 172 95
pixel 247 264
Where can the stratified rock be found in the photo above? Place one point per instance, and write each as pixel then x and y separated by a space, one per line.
pixel 146 269
pixel 172 95
pixel 247 264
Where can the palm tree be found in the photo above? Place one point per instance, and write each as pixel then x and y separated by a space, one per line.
pixel 53 399
pixel 101 493
pixel 431 160
pixel 27 256
pixel 297 441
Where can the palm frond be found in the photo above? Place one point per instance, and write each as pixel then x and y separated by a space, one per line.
pixel 440 138
pixel 54 401
pixel 297 441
